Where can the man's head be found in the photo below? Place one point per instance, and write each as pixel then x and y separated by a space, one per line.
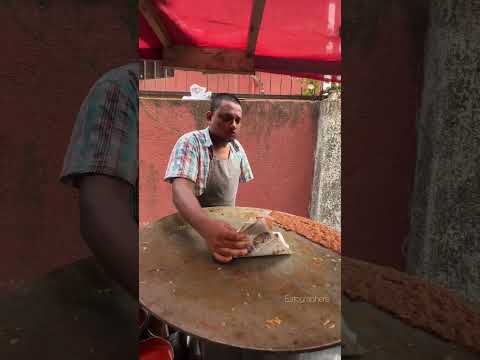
pixel 224 117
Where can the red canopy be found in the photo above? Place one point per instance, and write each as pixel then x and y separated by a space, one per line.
pixel 299 38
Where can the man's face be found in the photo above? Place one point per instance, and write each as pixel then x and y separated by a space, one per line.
pixel 224 123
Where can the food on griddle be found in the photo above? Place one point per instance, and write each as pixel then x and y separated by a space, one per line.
pixel 273 322
pixel 318 233
pixel 413 300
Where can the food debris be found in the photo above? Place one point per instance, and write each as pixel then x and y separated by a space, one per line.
pixel 145 248
pixel 273 322
pixel 248 294
pixel 245 303
pixel 233 309
pixel 314 286
pixel 259 295
pixel 219 268
pixel 224 324
pixel 328 321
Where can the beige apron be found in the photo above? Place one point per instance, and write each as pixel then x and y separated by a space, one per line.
pixel 222 182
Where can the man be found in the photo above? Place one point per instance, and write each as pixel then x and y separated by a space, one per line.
pixel 79 305
pixel 205 169
pixel 102 162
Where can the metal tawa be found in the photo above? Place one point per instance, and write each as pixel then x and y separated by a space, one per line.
pixel 76 312
pixel 288 303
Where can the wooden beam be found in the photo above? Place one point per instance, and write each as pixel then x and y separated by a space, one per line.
pixel 148 11
pixel 208 59
pixel 255 22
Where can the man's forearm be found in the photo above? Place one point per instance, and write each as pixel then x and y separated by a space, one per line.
pixel 222 240
pixel 110 231
pixel 188 206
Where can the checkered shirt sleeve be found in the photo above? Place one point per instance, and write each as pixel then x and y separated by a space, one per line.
pixel 184 159
pixel 105 136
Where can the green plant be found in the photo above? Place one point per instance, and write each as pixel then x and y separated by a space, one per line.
pixel 311 87
pixel 335 87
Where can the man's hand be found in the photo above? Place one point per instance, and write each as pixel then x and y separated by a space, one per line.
pixel 223 241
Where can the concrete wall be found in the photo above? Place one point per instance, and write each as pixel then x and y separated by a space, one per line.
pixel 444 245
pixel 51 55
pixel 382 51
pixel 326 202
pixel 278 136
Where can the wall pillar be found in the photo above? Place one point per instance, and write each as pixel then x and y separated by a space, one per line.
pixel 444 241
pixel 325 203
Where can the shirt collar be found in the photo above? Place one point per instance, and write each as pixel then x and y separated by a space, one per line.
pixel 208 139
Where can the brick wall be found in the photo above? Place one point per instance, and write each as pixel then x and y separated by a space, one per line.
pixel 262 83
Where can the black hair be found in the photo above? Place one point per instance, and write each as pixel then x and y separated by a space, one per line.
pixel 217 99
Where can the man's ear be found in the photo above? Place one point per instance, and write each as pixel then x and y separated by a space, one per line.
pixel 209 115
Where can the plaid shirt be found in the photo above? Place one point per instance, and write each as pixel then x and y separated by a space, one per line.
pixel 190 159
pixel 105 136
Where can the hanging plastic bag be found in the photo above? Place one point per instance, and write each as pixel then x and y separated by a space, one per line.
pixel 198 93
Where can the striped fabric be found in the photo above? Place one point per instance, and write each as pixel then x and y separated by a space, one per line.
pixel 105 135
pixel 190 159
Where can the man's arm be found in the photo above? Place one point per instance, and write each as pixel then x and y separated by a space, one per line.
pixel 223 241
pixel 108 228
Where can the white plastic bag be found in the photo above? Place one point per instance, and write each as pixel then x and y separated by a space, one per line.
pixel 198 93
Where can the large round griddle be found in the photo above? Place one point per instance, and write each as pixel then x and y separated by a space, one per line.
pixel 76 312
pixel 230 303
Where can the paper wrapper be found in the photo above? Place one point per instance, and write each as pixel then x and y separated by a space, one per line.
pixel 265 241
